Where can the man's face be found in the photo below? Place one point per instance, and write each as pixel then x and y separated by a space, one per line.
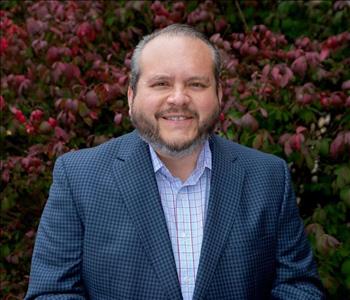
pixel 176 104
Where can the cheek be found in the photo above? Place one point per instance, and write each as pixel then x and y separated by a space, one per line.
pixel 139 105
pixel 206 109
pixel 147 103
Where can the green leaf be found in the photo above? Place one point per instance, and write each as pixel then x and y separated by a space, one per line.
pixel 192 5
pixel 8 4
pixel 307 116
pixel 110 20
pixel 231 13
pixel 88 121
pixel 7 203
pixel 345 268
pixel 258 141
pixel 4 250
pixel 343 177
pixel 345 195
pixel 235 114
pixel 83 109
pixel 324 147
pixel 285 7
pixel 230 134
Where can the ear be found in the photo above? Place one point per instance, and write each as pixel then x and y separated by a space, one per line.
pixel 130 98
pixel 220 93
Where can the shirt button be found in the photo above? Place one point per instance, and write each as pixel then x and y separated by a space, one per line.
pixel 183 234
pixel 186 280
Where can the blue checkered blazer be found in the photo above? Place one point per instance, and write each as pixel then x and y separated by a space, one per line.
pixel 103 234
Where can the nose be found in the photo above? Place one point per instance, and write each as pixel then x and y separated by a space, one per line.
pixel 178 96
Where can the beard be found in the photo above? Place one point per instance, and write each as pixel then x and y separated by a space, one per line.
pixel 149 131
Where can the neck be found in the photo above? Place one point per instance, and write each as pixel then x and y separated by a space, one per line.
pixel 181 167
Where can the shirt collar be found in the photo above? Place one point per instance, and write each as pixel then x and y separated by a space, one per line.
pixel 204 159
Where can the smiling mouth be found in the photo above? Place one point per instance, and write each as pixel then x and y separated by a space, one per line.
pixel 176 118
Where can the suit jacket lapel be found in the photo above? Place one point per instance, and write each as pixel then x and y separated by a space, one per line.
pixel 135 178
pixel 225 192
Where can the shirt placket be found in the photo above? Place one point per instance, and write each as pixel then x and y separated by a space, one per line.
pixel 186 225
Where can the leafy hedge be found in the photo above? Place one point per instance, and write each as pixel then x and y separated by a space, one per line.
pixel 64 75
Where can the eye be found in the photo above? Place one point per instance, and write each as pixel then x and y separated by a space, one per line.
pixel 197 85
pixel 160 84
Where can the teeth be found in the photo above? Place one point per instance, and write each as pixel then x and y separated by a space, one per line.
pixel 177 118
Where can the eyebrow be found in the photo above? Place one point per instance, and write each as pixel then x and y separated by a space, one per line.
pixel 159 77
pixel 199 78
pixel 192 78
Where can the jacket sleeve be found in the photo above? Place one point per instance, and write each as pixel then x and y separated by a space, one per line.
pixel 56 262
pixel 296 274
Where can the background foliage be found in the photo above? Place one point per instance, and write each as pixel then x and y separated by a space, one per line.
pixel 64 74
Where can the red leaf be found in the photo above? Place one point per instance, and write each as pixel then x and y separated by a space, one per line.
pixel 53 54
pixel 36 115
pixel 337 146
pixel 72 105
pixel 313 59
pixel 19 115
pixel 299 66
pixel 71 71
pixel 85 30
pixel 324 53
pixel 347 138
pixel 347 102
pixel 45 127
pixel 93 115
pixel 263 112
pixel 118 118
pixel 61 134
pixel 296 141
pixel 337 98
pixel 30 234
pixel 265 73
pixel 58 32
pixel 2 103
pixel 52 122
pixel 300 129
pixel 346 85
pixel 250 122
pixel 29 128
pixel 159 9
pixel 281 75
pixel 5 175
pixel 287 149
pixel 222 117
pixel 284 138
pixel 35 26
pixel 3 45
pixel 91 99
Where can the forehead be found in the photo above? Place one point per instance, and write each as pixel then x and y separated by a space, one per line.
pixel 176 54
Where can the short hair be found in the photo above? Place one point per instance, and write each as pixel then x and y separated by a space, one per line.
pixel 172 30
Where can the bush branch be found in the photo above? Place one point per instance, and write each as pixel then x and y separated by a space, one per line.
pixel 241 16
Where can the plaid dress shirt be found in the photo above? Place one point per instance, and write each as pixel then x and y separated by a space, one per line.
pixel 185 205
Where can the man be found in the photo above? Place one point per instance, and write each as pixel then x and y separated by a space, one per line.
pixel 171 211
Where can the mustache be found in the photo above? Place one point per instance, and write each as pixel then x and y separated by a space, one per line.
pixel 185 111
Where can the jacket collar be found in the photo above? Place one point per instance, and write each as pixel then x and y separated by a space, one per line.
pixel 225 193
pixel 135 178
